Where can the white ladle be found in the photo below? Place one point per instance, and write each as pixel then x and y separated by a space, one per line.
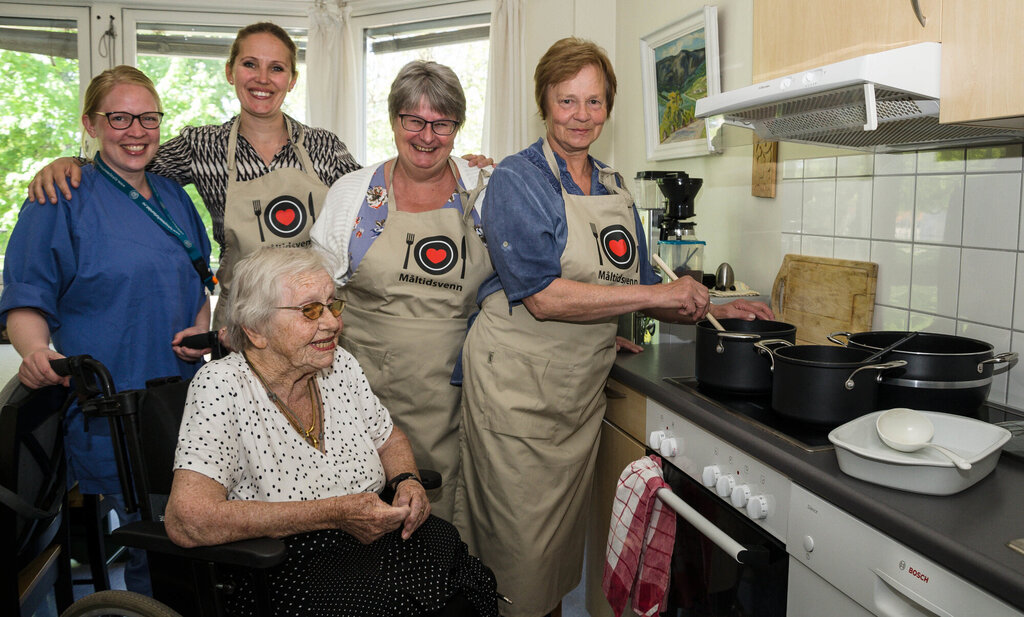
pixel 908 430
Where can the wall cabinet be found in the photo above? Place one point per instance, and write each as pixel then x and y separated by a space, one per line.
pixel 622 442
pixel 796 35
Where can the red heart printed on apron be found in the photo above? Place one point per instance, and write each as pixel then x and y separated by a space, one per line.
pixel 436 255
pixel 285 217
pixel 618 247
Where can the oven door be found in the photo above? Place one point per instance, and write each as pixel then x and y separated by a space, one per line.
pixel 707 581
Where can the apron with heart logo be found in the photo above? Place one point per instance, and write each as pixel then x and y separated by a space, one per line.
pixel 533 403
pixel 276 209
pixel 405 321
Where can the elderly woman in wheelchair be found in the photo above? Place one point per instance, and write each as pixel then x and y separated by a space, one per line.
pixel 284 438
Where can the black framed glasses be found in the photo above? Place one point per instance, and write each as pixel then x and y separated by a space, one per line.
pixel 121 120
pixel 314 310
pixel 414 123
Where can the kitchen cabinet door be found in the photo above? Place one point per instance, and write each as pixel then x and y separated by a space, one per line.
pixel 983 63
pixel 796 35
pixel 627 409
pixel 616 451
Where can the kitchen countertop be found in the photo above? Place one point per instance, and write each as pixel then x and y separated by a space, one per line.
pixel 967 532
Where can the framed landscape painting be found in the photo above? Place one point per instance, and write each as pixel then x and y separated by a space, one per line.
pixel 680 65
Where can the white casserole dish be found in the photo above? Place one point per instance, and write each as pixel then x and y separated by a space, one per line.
pixel 862 454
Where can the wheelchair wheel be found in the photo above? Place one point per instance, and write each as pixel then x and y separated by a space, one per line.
pixel 118 603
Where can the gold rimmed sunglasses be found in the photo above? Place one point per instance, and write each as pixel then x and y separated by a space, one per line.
pixel 314 310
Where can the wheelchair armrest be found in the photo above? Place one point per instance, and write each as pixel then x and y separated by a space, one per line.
pixel 151 536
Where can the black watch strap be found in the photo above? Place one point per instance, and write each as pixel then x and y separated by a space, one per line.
pixel 402 477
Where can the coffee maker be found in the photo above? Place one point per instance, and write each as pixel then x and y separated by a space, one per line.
pixel 678 245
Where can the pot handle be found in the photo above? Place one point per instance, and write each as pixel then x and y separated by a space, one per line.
pixel 845 343
pixel 734 336
pixel 1006 357
pixel 874 367
pixel 763 346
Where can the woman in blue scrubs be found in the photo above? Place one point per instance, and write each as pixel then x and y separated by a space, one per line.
pixel 117 272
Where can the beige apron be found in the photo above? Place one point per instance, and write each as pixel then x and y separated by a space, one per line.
pixel 276 209
pixel 532 406
pixel 408 302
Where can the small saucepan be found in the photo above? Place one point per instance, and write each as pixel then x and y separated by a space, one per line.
pixel 823 384
pixel 947 373
pixel 729 361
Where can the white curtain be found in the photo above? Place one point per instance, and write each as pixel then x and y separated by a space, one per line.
pixel 332 79
pixel 506 109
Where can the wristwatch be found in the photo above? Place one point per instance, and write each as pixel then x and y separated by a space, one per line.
pixel 402 477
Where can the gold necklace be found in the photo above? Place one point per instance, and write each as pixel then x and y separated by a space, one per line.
pixel 293 418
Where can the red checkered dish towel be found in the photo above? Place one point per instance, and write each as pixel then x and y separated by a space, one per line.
pixel 640 540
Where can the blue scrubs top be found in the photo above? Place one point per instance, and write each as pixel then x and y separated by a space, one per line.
pixel 525 225
pixel 111 284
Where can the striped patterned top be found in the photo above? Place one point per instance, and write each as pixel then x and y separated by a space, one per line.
pixel 199 156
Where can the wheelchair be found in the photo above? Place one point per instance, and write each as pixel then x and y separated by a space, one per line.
pixel 189 581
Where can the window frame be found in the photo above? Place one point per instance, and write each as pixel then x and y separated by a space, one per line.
pixel 80 14
pixel 363 21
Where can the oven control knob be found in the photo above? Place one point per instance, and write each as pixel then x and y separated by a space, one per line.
pixel 725 485
pixel 710 475
pixel 656 438
pixel 669 447
pixel 740 495
pixel 757 507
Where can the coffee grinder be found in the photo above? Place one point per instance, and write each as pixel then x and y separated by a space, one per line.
pixel 678 245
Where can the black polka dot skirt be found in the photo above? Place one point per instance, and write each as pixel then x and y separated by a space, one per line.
pixel 331 574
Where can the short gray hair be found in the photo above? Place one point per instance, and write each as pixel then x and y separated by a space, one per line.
pixel 257 284
pixel 437 82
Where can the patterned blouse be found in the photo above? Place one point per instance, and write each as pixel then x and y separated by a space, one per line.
pixel 199 156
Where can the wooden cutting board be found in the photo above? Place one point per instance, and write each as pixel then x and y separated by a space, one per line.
pixel 821 295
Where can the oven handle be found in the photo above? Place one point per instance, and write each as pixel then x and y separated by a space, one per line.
pixel 754 556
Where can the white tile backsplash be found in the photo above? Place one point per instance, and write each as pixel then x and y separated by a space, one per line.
pixel 893 259
pixel 992 210
pixel 939 209
pixel 947 232
pixel 986 287
pixel 892 208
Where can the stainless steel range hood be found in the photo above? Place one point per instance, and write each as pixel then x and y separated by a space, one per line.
pixel 882 102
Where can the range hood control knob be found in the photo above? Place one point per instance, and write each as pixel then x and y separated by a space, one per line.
pixel 710 475
pixel 740 495
pixel 724 486
pixel 656 439
pixel 669 447
pixel 757 507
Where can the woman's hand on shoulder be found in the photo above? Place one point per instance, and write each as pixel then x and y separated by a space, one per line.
pixel 35 371
pixel 478 160
pixel 366 517
pixel 411 493
pixel 55 176
pixel 743 309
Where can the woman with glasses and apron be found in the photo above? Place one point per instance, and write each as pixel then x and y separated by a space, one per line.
pixel 569 256
pixel 410 262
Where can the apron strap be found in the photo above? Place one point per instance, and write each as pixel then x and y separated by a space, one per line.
pixel 467 213
pixel 463 195
pixel 605 175
pixel 300 149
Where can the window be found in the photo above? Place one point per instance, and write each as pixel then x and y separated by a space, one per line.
pixel 185 54
pixel 394 39
pixel 39 94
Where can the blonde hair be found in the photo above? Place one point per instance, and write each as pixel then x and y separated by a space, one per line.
pixel 265 27
pixel 563 60
pixel 102 84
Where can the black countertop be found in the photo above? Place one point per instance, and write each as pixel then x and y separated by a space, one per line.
pixel 967 532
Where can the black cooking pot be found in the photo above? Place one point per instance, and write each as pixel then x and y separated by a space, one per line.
pixel 729 361
pixel 945 373
pixel 823 384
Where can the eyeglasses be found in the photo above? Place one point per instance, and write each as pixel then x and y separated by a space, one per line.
pixel 121 120
pixel 314 310
pixel 416 124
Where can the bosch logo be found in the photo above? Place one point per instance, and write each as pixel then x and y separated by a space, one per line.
pixel 918 574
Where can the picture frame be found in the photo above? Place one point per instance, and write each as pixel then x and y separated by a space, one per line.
pixel 679 64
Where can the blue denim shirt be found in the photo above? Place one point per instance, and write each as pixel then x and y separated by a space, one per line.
pixel 525 225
